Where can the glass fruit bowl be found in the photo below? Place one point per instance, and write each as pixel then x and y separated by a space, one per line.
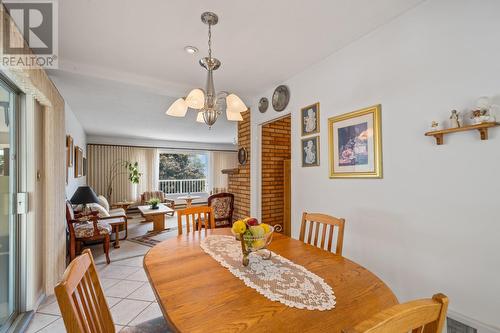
pixel 253 242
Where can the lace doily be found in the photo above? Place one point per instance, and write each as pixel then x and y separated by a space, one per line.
pixel 278 279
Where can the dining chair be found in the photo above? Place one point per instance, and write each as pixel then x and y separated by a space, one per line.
pixel 84 307
pixel 313 222
pixel 196 217
pixel 223 206
pixel 420 316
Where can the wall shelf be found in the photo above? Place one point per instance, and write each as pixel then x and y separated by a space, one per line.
pixel 482 128
pixel 230 171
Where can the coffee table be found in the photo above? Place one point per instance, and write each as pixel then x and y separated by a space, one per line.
pixel 189 199
pixel 156 215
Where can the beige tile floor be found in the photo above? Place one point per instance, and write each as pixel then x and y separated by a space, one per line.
pixel 129 295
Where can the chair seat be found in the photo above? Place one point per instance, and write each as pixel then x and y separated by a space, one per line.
pixel 86 229
pixel 156 325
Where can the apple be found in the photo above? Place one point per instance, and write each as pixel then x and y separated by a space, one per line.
pixel 252 221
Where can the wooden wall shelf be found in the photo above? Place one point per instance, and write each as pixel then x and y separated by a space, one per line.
pixel 230 171
pixel 482 128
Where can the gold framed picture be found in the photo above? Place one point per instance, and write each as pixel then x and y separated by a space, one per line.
pixel 310 151
pixel 69 150
pixel 78 162
pixel 309 117
pixel 355 144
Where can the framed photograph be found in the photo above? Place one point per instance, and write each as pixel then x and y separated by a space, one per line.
pixel 78 165
pixel 309 117
pixel 310 151
pixel 355 144
pixel 84 169
pixel 69 151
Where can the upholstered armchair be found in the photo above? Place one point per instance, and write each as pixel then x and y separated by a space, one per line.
pixel 86 228
pixel 146 196
pixel 223 206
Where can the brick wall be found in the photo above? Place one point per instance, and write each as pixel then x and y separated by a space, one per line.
pixel 275 149
pixel 239 183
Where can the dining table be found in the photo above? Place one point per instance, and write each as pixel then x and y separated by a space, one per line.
pixel 197 294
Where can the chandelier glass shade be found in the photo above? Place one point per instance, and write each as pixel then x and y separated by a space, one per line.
pixel 209 103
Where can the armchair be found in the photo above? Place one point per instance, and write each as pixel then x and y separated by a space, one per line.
pixel 82 230
pixel 146 196
pixel 223 206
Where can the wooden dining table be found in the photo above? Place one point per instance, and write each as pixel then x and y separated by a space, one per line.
pixel 197 294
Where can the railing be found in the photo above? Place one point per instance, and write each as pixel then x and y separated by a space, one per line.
pixel 179 186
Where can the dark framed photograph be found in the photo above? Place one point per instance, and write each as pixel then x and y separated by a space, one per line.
pixel 309 117
pixel 355 144
pixel 310 151
pixel 242 156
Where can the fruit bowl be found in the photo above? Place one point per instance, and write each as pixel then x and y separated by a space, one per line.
pixel 253 236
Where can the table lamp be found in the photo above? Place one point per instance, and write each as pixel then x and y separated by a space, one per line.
pixel 84 195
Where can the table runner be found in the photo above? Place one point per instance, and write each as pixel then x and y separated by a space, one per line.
pixel 278 279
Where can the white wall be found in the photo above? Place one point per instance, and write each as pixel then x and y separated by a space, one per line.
pixel 432 223
pixel 75 129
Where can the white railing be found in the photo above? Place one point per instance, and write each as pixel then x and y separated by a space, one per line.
pixel 180 186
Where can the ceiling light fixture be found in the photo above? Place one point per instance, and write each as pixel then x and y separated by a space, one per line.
pixel 191 49
pixel 209 103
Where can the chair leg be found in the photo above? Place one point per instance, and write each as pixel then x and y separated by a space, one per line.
pixel 106 248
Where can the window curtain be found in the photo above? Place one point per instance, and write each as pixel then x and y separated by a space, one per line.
pixel 106 166
pixel 220 160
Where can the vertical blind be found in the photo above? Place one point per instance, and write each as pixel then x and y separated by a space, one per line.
pixel 102 159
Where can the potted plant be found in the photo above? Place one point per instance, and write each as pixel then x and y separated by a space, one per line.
pixel 154 202
pixel 116 171
pixel 134 176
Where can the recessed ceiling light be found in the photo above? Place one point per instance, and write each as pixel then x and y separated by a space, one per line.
pixel 191 49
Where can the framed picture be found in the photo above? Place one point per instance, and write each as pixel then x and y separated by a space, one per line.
pixel 310 151
pixel 355 144
pixel 69 151
pixel 309 117
pixel 78 162
pixel 84 170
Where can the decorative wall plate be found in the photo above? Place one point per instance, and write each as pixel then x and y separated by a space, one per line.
pixel 263 104
pixel 242 156
pixel 281 97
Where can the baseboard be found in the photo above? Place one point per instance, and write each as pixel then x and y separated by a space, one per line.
pixel 481 327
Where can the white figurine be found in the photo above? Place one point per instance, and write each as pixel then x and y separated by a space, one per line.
pixel 435 126
pixel 310 154
pixel 310 121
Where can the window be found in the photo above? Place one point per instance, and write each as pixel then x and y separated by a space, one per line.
pixel 183 172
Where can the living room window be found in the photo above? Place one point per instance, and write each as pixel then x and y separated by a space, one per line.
pixel 183 172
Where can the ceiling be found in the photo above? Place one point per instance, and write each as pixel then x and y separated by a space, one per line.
pixel 122 44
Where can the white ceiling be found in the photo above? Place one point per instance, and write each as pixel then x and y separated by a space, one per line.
pixel 140 43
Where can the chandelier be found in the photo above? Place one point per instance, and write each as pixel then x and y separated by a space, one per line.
pixel 209 103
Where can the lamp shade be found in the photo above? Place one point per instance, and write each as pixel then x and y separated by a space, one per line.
pixel 199 117
pixel 178 108
pixel 233 116
pixel 84 195
pixel 196 99
pixel 235 104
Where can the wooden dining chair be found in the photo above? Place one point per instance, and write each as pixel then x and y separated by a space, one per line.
pixel 83 305
pixel 313 222
pixel 196 217
pixel 420 316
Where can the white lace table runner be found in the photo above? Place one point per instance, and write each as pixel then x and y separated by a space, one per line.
pixel 278 279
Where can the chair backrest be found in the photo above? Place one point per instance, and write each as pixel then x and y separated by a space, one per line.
pixel 148 195
pixel 81 300
pixel 223 206
pixel 195 218
pixel 313 222
pixel 421 316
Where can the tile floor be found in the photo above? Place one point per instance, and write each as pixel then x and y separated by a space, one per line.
pixel 125 284
pixel 127 290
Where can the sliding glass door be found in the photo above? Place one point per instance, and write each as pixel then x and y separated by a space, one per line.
pixel 8 218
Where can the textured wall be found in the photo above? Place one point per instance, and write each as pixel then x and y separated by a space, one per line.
pixel 275 149
pixel 239 183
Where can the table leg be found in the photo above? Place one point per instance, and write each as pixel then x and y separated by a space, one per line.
pixel 158 222
pixel 188 203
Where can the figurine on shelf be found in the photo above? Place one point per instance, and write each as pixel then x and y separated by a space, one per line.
pixel 435 126
pixel 455 119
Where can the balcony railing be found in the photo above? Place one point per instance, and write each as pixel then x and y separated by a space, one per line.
pixel 179 186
